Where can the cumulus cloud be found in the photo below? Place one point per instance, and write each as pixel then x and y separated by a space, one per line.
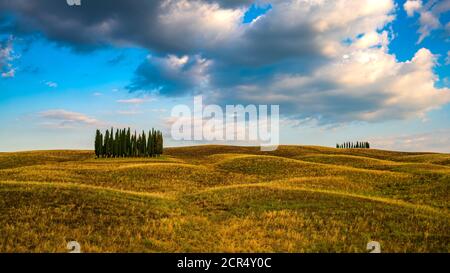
pixel 6 57
pixel 327 60
pixel 171 75
pixel 160 25
pixel 429 14
pixel 369 85
pixel 9 74
pixel 59 118
pixel 436 141
pixel 129 112
pixel 135 101
pixel 51 84
pixel 117 59
pixel 411 6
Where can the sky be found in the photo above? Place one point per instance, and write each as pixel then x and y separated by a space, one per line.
pixel 340 70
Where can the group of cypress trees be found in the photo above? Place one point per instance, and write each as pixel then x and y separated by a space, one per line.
pixel 352 145
pixel 121 143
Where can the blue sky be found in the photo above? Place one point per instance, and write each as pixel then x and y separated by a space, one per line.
pixel 340 70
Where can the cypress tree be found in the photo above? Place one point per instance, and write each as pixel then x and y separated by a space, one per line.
pixel 116 143
pixel 106 144
pixel 97 143
pixel 135 144
pixel 124 142
pixel 138 144
pixel 154 147
pixel 158 143
pixel 161 143
pixel 144 144
pixel 128 142
pixel 119 143
pixel 111 142
pixel 131 145
pixel 149 144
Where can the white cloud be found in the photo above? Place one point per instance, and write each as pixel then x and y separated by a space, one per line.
pixel 368 85
pixel 429 14
pixel 172 74
pixel 372 39
pixel 9 74
pixel 135 101
pixel 206 24
pixel 129 112
pixel 428 22
pixel 436 141
pixel 59 118
pixel 412 6
pixel 159 110
pixel 51 84
pixel 294 55
pixel 6 57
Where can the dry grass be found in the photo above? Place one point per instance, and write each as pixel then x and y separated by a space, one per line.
pixel 226 199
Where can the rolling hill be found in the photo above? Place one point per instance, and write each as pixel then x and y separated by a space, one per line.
pixel 226 199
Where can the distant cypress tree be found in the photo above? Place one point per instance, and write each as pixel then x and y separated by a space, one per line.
pixel 100 145
pixel 97 144
pixel 158 143
pixel 154 143
pixel 139 145
pixel 144 144
pixel 106 144
pixel 111 143
pixel 132 146
pixel 150 143
pixel 116 144
pixel 128 141
pixel 124 142
pixel 135 145
pixel 121 143
pixel 161 143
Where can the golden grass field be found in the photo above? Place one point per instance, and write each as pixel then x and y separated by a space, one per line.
pixel 226 199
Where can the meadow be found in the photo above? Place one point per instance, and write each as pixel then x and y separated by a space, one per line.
pixel 226 199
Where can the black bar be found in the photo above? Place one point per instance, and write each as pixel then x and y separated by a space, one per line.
pixel 226 262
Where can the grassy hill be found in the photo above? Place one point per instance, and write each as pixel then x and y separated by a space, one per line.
pixel 226 199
